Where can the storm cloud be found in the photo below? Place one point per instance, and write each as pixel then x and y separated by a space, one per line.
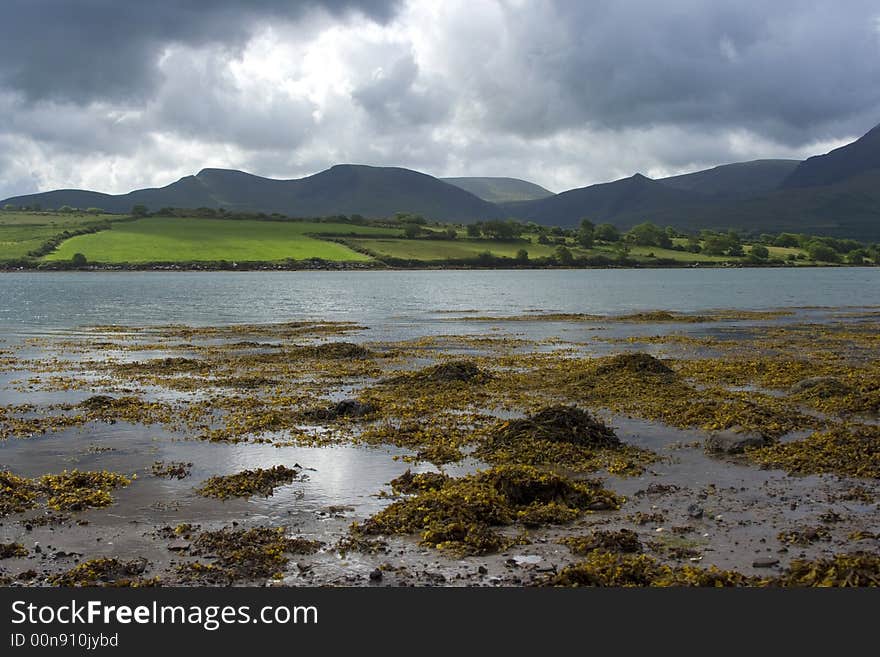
pixel 115 94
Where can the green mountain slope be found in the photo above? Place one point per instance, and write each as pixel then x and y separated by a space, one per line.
pixel 599 203
pixel 500 190
pixel 735 181
pixel 851 160
pixel 342 189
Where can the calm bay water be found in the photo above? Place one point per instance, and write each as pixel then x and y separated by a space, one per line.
pixel 41 302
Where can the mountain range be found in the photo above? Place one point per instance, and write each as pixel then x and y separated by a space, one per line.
pixel 835 194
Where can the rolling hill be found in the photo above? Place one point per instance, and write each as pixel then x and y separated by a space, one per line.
pixel 500 190
pixel 735 181
pixel 835 194
pixel 342 189
pixel 602 202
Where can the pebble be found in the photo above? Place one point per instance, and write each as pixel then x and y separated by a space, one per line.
pixel 765 562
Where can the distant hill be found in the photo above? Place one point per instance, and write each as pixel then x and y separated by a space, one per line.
pixel 850 208
pixel 735 181
pixel 834 194
pixel 600 203
pixel 500 190
pixel 845 162
pixel 342 189
pixel 837 194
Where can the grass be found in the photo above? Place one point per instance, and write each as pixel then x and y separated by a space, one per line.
pixel 21 232
pixel 58 220
pixel 194 239
pixel 449 249
pixel 641 253
pixel 178 239
pixel 17 241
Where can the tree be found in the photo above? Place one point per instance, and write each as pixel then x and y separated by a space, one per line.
pixel 715 245
pixel 9 207
pixel 647 234
pixel 693 244
pixel 66 208
pixel 139 210
pixel 563 255
pixel 473 230
pixel 451 233
pixel 95 210
pixel 735 250
pixel 760 251
pixel 79 260
pixel 522 256
pixel 584 235
pixel 822 252
pixel 411 231
pixel 502 230
pixel 857 257
pixel 787 240
pixel 406 218
pixel 606 233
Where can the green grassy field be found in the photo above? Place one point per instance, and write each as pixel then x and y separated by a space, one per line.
pixel 60 220
pixel 429 250
pixel 194 239
pixel 177 239
pixel 21 232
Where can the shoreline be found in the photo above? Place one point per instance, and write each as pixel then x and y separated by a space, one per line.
pixel 361 266
pixel 190 439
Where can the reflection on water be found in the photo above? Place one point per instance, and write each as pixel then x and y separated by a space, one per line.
pixel 342 475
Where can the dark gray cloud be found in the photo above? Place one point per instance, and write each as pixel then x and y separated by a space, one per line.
pixel 116 94
pixel 787 69
pixel 109 49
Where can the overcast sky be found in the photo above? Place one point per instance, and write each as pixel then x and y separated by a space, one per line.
pixel 114 95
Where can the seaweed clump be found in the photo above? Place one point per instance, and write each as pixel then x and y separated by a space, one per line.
pixel 107 572
pixel 804 536
pixel 345 408
pixel 12 550
pixel 454 371
pixel 624 540
pixel 562 436
pixel 843 450
pixel 243 554
pixel 409 483
pixel 558 424
pixel 76 490
pixel 636 362
pixel 842 570
pixel 17 494
pixel 608 569
pixel 339 350
pixel 603 568
pixel 459 515
pixel 171 469
pixel 247 483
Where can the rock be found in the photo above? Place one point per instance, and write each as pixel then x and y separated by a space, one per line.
pixel 353 408
pixel 765 562
pixel 821 386
pixel 729 443
pixel 375 575
pixel 482 570
pixel 695 511
pixel 178 545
